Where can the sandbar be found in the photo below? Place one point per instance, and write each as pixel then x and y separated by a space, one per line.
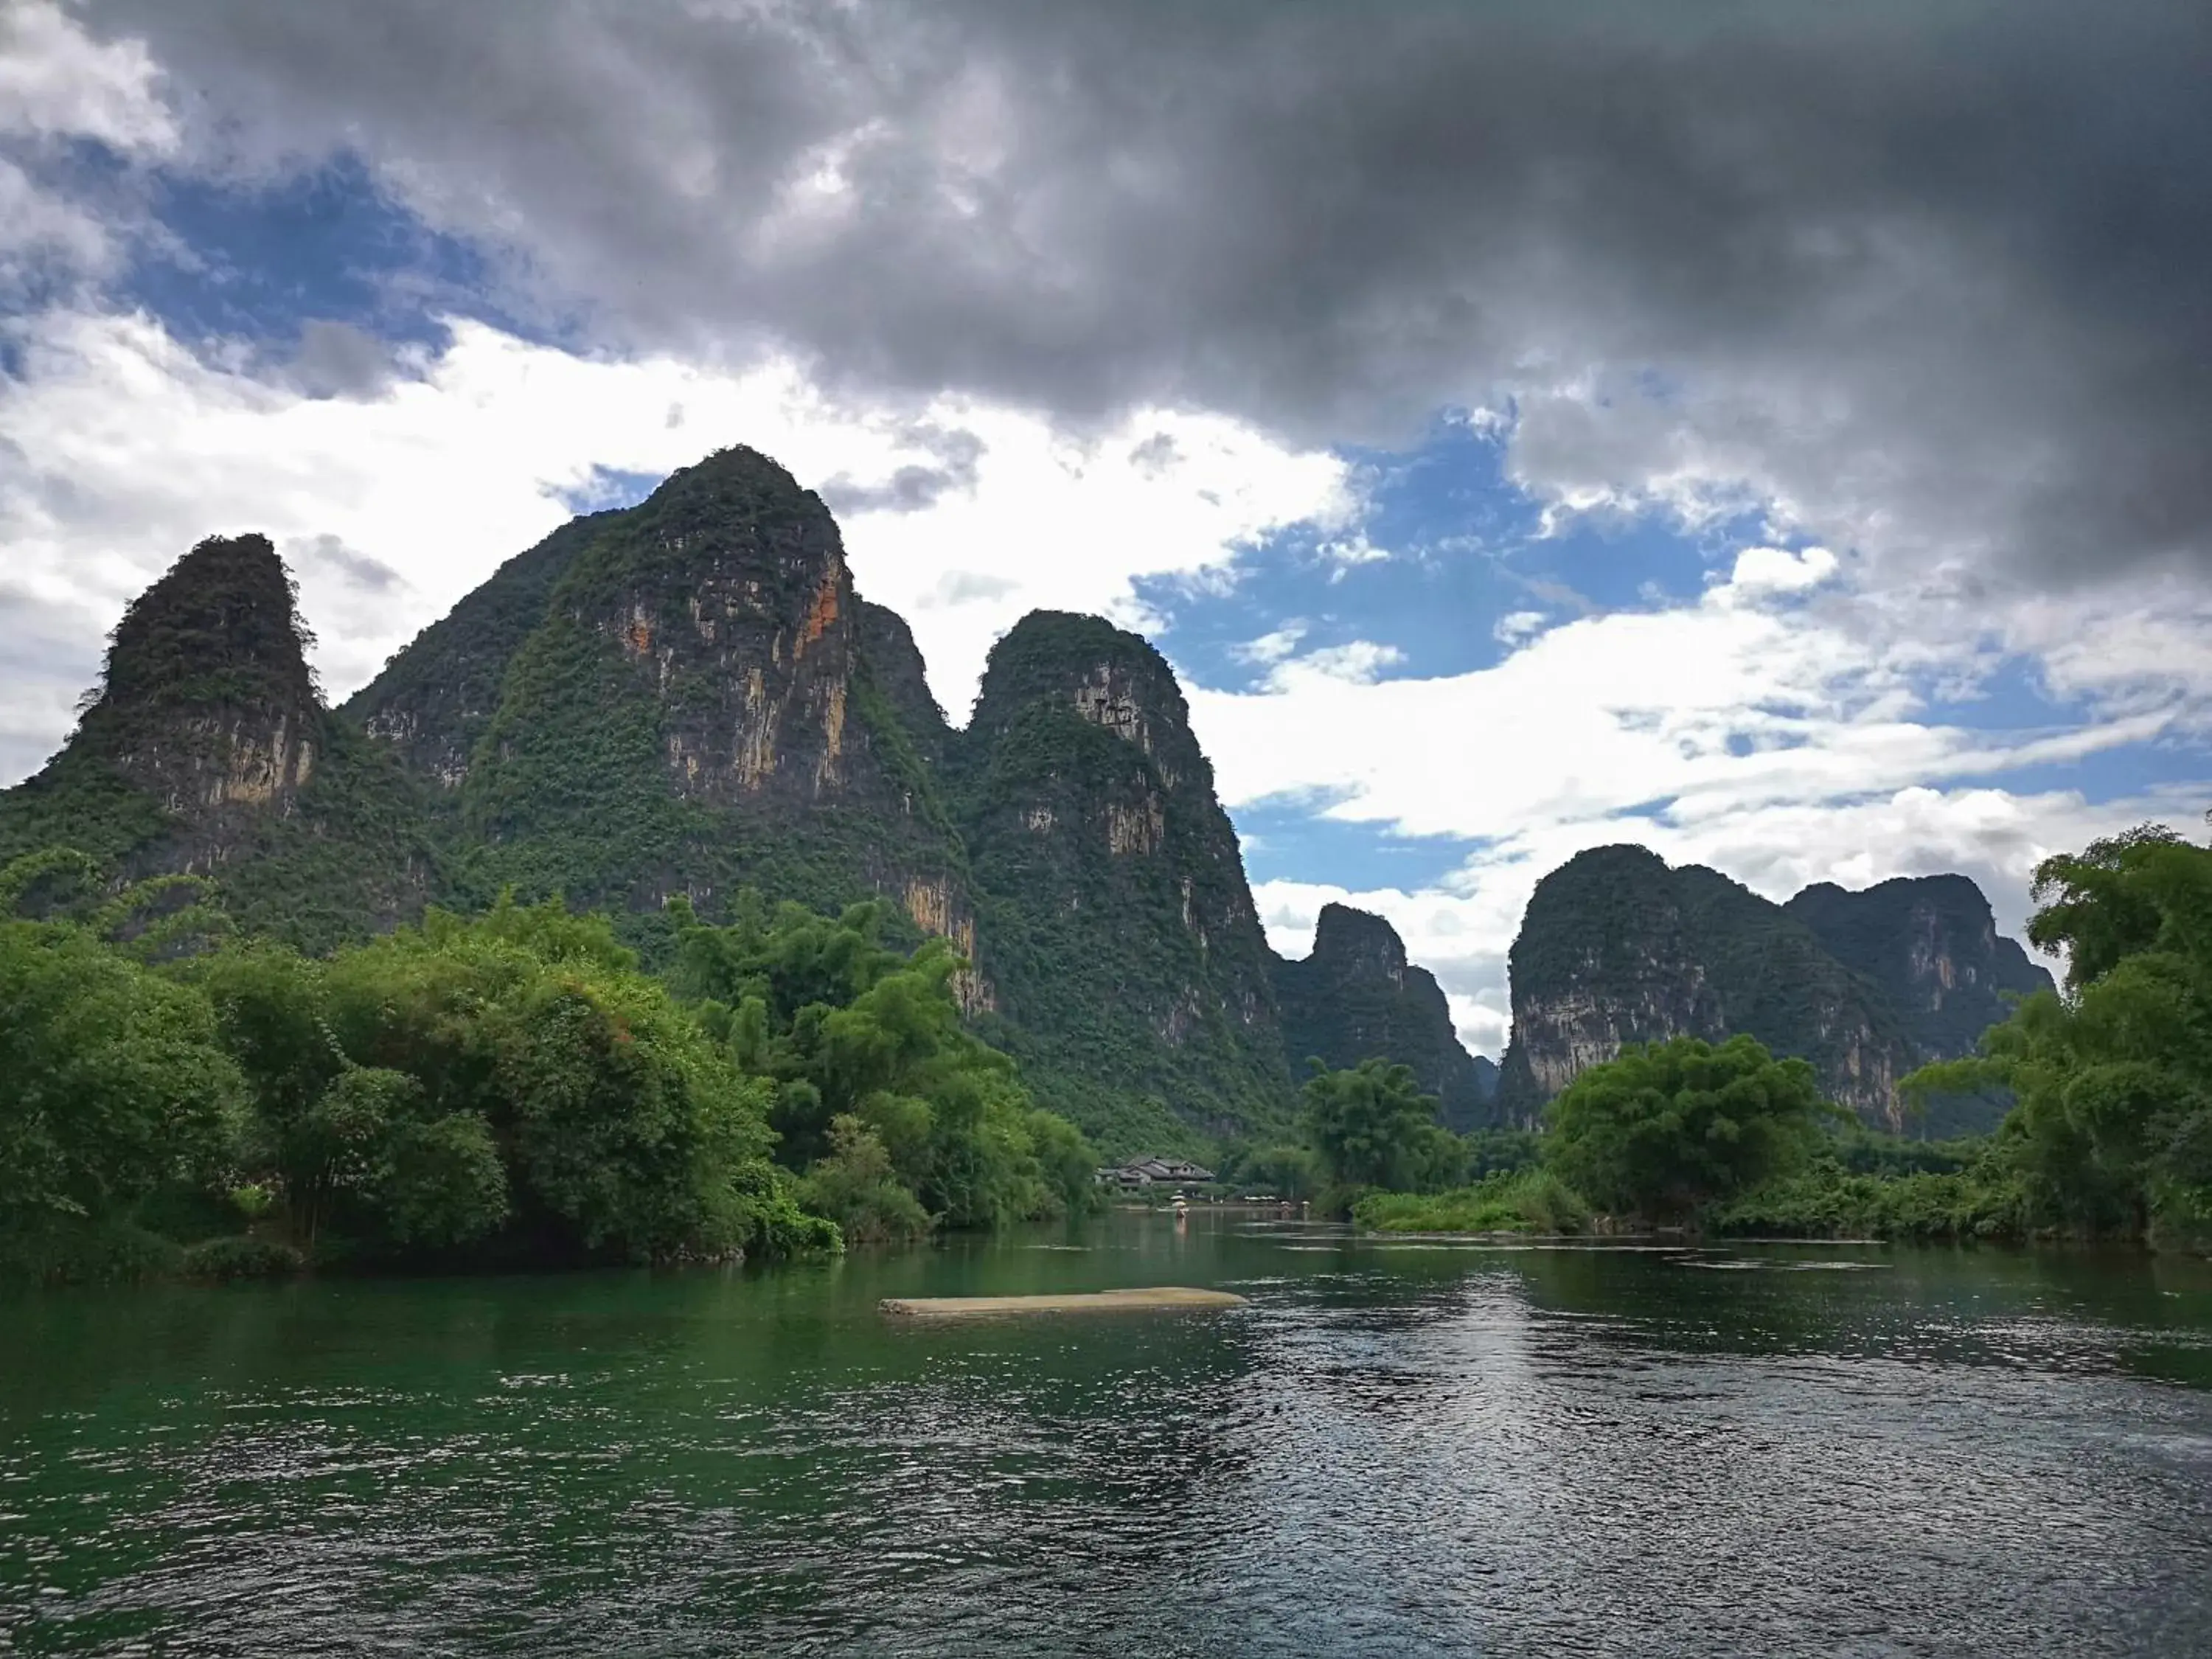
pixel 961 1307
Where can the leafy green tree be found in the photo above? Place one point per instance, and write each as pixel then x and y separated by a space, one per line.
pixel 2113 1130
pixel 1668 1127
pixel 856 1187
pixel 441 1182
pixel 841 1026
pixel 1372 1127
pixel 1287 1171
pixel 111 1081
pixel 2116 899
pixel 623 1128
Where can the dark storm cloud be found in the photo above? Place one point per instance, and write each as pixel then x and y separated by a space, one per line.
pixel 912 488
pixel 349 565
pixel 336 359
pixel 1935 274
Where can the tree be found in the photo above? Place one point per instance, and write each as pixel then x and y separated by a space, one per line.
pixel 856 1187
pixel 111 1081
pixel 2113 1130
pixel 1372 1127
pixel 855 1037
pixel 2111 901
pixel 1670 1126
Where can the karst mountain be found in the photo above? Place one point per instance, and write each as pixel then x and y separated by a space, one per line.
pixel 690 697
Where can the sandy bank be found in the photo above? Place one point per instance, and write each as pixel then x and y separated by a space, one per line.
pixel 956 1307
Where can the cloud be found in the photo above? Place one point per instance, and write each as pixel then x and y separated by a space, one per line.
pixel 966 587
pixel 1355 662
pixel 912 488
pixel 1516 626
pixel 63 224
pixel 1740 708
pixel 336 359
pixel 119 449
pixel 1929 288
pixel 57 82
pixel 1760 572
pixel 1273 647
pixel 372 575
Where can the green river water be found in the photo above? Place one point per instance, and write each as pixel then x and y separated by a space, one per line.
pixel 1398 1448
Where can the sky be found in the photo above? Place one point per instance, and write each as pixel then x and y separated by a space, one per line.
pixel 1775 433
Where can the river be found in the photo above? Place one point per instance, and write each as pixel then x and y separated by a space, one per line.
pixel 1398 1448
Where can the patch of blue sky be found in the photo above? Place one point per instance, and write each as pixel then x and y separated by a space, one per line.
pixel 1448 549
pixel 2118 772
pixel 1292 842
pixel 608 487
pixel 257 261
pixel 2011 697
pixel 1615 561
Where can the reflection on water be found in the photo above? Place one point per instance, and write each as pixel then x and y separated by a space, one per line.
pixel 1400 1447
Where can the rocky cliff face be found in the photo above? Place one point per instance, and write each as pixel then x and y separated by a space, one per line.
pixel 1618 948
pixel 1119 930
pixel 686 701
pixel 895 665
pixel 1357 998
pixel 208 751
pixel 1932 945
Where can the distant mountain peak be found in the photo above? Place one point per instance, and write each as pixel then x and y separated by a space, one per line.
pixel 1358 943
pixel 207 751
pixel 1357 998
pixel 1619 947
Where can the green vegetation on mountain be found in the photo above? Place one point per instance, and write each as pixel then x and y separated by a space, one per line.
pixel 433 701
pixel 694 713
pixel 1618 948
pixel 1931 944
pixel 206 748
pixel 1357 998
pixel 1118 930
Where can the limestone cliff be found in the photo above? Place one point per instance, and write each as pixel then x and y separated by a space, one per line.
pixel 1119 928
pixel 1932 945
pixel 895 664
pixel 206 750
pixel 1618 948
pixel 1357 998
pixel 686 701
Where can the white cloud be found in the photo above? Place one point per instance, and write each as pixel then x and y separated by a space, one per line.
pixel 56 81
pixel 40 232
pixel 119 449
pixel 1356 662
pixel 1273 647
pixel 1344 552
pixel 1516 626
pixel 59 87
pixel 1760 571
